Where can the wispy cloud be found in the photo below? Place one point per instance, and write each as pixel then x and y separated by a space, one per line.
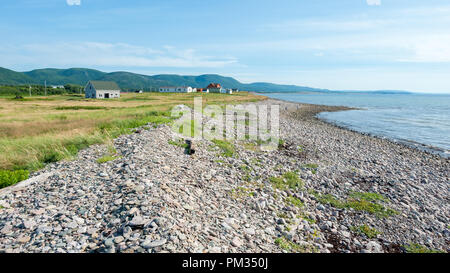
pixel 373 2
pixel 73 2
pixel 93 54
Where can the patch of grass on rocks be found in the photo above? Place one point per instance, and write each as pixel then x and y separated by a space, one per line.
pixel 359 201
pixel 417 248
pixel 9 178
pixel 294 201
pixel 289 246
pixel 178 143
pixel 311 166
pixel 106 158
pixel 241 192
pixel 366 230
pixel 289 180
pixel 228 149
pixel 329 199
pixel 368 196
pixel 307 218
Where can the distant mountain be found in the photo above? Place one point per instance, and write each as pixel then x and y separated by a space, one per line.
pixel 127 80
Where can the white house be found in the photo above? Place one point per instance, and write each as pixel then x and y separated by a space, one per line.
pixel 102 90
pixel 176 89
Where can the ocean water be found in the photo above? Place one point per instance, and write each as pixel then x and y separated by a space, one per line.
pixel 421 120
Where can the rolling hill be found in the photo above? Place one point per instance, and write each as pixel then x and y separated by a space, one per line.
pixel 127 80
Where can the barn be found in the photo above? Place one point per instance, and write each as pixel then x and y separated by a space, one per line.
pixel 102 90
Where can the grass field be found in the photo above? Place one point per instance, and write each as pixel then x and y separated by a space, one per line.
pixel 35 131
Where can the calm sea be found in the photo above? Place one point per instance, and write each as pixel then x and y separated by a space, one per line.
pixel 417 119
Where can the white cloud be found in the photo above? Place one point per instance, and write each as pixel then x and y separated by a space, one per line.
pixel 117 55
pixel 73 2
pixel 373 2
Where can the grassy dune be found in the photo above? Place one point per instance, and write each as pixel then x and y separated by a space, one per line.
pixel 39 130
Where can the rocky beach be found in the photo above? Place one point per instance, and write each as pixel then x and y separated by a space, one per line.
pixel 326 189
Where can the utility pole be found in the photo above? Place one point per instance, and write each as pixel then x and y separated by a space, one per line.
pixel 29 88
pixel 45 88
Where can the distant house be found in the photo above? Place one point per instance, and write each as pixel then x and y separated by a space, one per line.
pixel 102 90
pixel 202 90
pixel 176 89
pixel 215 88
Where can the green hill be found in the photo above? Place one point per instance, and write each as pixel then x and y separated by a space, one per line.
pixel 9 77
pixel 127 80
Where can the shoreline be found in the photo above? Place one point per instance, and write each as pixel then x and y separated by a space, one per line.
pixel 326 189
pixel 431 150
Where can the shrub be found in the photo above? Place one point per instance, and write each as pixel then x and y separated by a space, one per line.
pixel 9 178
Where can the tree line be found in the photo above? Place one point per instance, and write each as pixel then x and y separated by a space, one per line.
pixel 39 90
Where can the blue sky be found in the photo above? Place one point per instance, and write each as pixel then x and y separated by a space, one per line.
pixel 343 45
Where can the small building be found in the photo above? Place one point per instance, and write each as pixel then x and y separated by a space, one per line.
pixel 102 90
pixel 202 90
pixel 215 88
pixel 235 90
pixel 176 89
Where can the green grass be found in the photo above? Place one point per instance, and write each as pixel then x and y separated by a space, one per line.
pixel 241 192
pixel 289 246
pixel 311 166
pixel 417 248
pixel 368 196
pixel 330 200
pixel 294 201
pixel 245 168
pixel 289 180
pixel 359 201
pixel 307 218
pixel 228 149
pixel 366 230
pixel 9 178
pixel 52 128
pixel 106 158
pixel 179 143
pixel 119 127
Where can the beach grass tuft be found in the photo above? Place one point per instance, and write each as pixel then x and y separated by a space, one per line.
pixel 9 178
